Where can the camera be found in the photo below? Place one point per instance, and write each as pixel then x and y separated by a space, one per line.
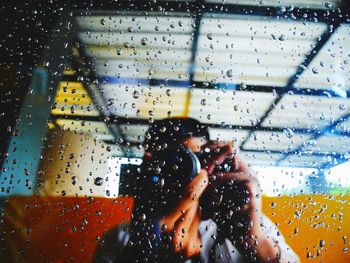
pixel 175 167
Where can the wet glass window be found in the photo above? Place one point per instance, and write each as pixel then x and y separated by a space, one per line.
pixel 179 131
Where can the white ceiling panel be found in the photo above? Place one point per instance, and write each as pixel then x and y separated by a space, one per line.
pixel 300 111
pixel 261 158
pixel 287 4
pixel 276 141
pixel 134 133
pixel 326 143
pixel 230 107
pixel 330 69
pixel 135 101
pixel 139 54
pixel 151 40
pixel 235 135
pixel 258 40
pixel 142 69
pixel 98 130
pixel 136 23
pixel 303 161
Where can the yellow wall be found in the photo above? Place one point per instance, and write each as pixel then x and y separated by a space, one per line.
pixel 306 220
pixel 67 154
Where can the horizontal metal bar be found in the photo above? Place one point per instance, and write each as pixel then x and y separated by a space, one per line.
pixel 221 86
pixel 112 119
pixel 298 153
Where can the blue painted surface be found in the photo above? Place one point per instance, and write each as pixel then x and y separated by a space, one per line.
pixel 20 167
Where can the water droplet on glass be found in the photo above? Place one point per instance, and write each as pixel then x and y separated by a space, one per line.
pixel 314 70
pixel 74 180
pixel 98 181
pixel 229 73
pixel 135 94
pixel 282 38
pixel 342 106
pixel 203 102
pixel 288 132
pixel 144 41
pixel 210 36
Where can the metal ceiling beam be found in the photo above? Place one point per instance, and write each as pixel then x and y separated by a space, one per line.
pixel 328 129
pixel 112 119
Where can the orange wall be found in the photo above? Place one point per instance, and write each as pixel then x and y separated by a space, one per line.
pixel 43 228
pixel 58 229
pixel 305 220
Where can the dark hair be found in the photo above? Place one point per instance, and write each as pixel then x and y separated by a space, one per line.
pixel 172 130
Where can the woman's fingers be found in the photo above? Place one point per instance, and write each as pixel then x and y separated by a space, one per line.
pixel 219 151
pixel 182 237
pixel 194 246
pixel 193 192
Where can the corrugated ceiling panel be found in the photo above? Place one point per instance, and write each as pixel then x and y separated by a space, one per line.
pixel 98 130
pixel 330 69
pixel 277 141
pixel 338 144
pixel 300 111
pixel 236 135
pixel 263 41
pixel 261 158
pixel 136 23
pixel 144 101
pixel 289 4
pixel 230 107
pixel 142 69
pixel 139 54
pixel 134 133
pixel 303 161
pixel 136 40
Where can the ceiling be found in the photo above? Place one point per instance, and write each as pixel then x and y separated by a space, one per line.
pixel 275 79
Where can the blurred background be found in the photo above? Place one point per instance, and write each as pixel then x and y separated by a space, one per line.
pixel 82 81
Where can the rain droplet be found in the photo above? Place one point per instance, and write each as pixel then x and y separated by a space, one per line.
pixel 328 5
pixel 98 181
pixel 314 70
pixel 136 94
pixel 210 36
pixel 203 102
pixel 74 180
pixel 282 38
pixel 288 132
pixel 322 243
pixel 103 21
pixel 342 106
pixel 229 73
pixel 144 41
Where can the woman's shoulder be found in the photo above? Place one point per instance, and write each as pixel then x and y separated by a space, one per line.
pixel 112 244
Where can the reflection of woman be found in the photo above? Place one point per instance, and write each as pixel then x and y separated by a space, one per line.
pixel 172 226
